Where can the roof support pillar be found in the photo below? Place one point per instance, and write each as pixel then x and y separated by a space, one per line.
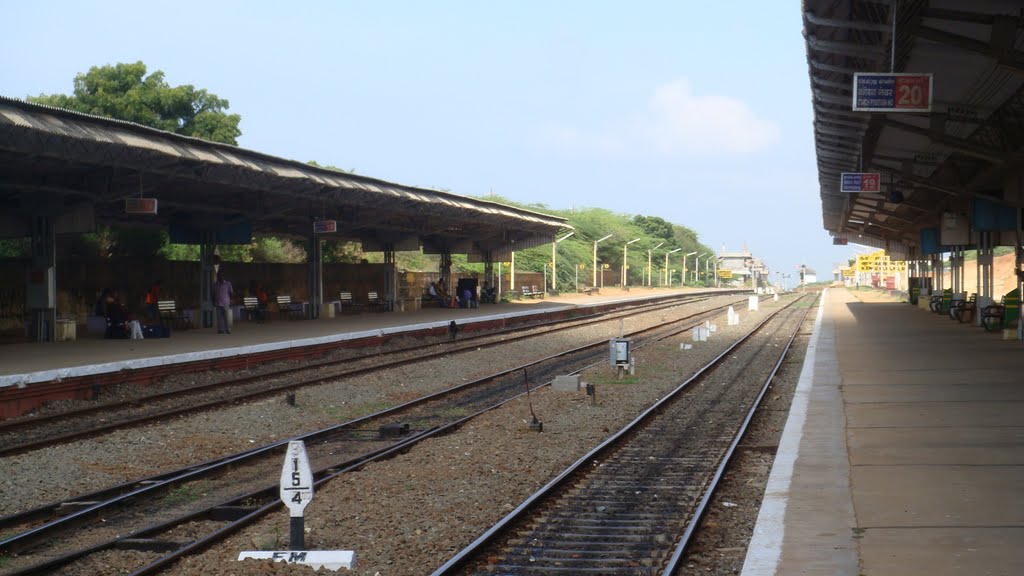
pixel 208 262
pixel 444 268
pixel 41 289
pixel 390 278
pixel 315 278
pixel 489 271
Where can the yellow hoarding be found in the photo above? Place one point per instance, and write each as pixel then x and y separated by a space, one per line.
pixel 879 263
pixel 725 273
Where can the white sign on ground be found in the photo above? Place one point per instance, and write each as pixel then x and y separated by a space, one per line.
pixel 296 479
pixel 330 559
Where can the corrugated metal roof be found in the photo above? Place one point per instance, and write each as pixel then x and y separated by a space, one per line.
pixel 18 118
pixel 962 149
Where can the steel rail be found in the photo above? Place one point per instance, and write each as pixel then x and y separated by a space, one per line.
pixel 153 485
pixel 471 552
pixel 702 506
pixel 462 345
pixel 207 541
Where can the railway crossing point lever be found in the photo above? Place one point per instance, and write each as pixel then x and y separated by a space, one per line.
pixel 535 424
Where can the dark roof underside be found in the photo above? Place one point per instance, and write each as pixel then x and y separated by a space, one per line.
pixel 66 162
pixel 969 146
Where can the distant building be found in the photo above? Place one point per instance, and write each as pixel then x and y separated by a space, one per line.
pixel 809 275
pixel 742 265
pixel 738 262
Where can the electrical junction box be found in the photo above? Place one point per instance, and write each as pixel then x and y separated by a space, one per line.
pixel 619 351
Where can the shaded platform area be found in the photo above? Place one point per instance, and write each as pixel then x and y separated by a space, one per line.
pixel 31 373
pixel 903 452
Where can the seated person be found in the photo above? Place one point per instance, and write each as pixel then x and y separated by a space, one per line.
pixel 436 292
pixel 257 291
pixel 487 294
pixel 117 316
pixel 101 303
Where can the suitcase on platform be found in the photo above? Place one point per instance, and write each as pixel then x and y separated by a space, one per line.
pixel 156 331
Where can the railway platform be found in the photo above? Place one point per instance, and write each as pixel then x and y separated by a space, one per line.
pixel 903 452
pixel 71 369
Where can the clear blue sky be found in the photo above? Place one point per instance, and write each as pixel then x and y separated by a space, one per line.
pixel 697 112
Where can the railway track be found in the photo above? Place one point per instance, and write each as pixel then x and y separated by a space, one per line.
pixel 32 433
pixel 41 548
pixel 631 505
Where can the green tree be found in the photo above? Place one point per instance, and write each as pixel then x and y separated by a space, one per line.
pixel 123 91
pixel 655 226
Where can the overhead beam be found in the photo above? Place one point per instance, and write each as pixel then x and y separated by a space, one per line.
pixel 1006 56
pixel 809 16
pixel 969 148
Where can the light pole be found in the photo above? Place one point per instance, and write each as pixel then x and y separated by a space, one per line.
pixel 625 267
pixel 666 261
pixel 683 275
pixel 553 245
pixel 696 269
pixel 715 270
pixel 595 257
pixel 649 262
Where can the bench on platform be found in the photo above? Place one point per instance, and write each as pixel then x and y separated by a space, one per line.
pixel 253 310
pixel 992 316
pixel 588 290
pixel 963 310
pixel 532 292
pixel 293 310
pixel 374 301
pixel 346 302
pixel 169 314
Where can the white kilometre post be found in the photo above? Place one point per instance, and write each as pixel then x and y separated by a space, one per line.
pixel 296 490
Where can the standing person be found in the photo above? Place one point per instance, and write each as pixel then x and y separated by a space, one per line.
pixel 152 297
pixel 222 293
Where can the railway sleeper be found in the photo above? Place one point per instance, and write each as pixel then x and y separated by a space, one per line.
pixel 149 545
pixel 65 508
pixel 573 512
pixel 599 526
pixel 635 489
pixel 621 506
pixel 544 562
pixel 588 521
pixel 545 538
pixel 579 549
pixel 229 513
pixel 603 571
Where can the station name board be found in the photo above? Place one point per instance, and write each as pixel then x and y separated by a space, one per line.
pixel 879 263
pixel 860 182
pixel 325 226
pixel 140 206
pixel 892 92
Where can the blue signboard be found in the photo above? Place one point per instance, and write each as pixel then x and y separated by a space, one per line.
pixel 860 182
pixel 325 226
pixel 892 92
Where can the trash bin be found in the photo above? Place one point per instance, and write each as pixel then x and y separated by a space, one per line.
pixel 1011 308
pixel 947 301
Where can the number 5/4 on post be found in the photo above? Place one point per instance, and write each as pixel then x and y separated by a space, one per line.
pixel 296 479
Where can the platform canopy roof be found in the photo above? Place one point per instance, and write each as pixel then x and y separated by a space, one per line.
pixel 969 147
pixel 81 168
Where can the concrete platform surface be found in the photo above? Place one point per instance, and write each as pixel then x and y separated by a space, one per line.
pixel 29 362
pixel 904 451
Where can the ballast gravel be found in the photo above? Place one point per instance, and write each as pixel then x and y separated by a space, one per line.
pixel 406 515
